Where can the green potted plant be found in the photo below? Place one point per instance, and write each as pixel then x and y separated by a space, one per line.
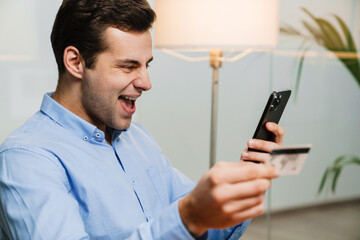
pixel 322 32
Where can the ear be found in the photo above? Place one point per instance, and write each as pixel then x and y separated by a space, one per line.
pixel 73 62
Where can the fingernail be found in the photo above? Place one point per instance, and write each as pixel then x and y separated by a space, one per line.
pixel 252 143
pixel 245 154
pixel 271 126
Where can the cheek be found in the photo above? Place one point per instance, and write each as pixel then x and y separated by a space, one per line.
pixel 111 83
pixel 99 85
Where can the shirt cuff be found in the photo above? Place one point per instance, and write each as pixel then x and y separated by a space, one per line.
pixel 239 230
pixel 169 225
pixel 184 229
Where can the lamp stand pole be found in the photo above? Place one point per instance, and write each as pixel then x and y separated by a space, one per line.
pixel 215 63
pixel 216 60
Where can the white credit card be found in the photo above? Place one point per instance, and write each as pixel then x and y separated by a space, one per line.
pixel 289 160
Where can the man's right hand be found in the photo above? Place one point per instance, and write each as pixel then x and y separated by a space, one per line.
pixel 228 194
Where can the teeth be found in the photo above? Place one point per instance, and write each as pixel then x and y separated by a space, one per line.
pixel 129 98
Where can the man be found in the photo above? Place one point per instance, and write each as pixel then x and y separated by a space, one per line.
pixel 79 169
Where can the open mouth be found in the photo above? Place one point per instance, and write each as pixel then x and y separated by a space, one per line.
pixel 128 104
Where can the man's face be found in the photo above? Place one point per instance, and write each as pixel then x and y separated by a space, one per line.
pixel 118 78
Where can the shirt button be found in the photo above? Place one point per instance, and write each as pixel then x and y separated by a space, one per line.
pixel 86 138
pixel 98 135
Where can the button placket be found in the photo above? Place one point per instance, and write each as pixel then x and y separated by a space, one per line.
pixel 142 202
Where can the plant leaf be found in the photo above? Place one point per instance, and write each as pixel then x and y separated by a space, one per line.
pixel 325 34
pixel 299 71
pixel 335 178
pixel 315 33
pixel 353 66
pixel 350 45
pixel 323 179
pixel 345 160
pixel 288 29
pixel 329 36
pixel 333 171
pixel 334 40
pixel 339 166
pixel 308 13
pixel 338 160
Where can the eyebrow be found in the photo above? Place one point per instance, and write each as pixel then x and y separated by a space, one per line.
pixel 130 61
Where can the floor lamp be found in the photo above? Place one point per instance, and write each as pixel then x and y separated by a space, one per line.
pixel 216 27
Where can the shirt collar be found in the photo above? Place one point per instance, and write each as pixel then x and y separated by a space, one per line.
pixel 69 120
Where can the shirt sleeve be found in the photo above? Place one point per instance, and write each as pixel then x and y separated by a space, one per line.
pixel 169 225
pixel 37 203
pixel 179 186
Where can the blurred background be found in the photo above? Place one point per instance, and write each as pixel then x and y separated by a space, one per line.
pixel 325 112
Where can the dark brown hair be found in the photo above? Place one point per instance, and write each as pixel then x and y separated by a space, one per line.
pixel 81 23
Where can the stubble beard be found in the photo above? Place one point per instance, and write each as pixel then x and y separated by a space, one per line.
pixel 103 112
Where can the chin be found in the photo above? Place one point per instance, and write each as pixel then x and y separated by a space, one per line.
pixel 124 124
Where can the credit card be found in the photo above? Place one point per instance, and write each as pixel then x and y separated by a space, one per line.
pixel 290 159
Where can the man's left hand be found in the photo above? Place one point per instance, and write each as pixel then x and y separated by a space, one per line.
pixel 266 146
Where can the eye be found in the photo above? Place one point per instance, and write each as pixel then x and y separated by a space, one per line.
pixel 147 65
pixel 129 67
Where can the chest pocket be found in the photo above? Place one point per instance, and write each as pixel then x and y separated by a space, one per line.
pixel 158 179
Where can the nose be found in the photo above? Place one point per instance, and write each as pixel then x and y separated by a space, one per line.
pixel 143 80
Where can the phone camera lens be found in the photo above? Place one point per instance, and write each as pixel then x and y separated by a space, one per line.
pixel 275 104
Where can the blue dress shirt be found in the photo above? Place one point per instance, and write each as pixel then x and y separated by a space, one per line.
pixel 59 179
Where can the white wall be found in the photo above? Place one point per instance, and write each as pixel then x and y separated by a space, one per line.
pixel 177 109
pixel 326 113
pixel 23 83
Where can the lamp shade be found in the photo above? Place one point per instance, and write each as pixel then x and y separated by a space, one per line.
pixel 221 24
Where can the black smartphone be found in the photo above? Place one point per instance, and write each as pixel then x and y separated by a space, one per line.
pixel 272 113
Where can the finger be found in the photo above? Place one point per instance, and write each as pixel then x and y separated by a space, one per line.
pixel 231 172
pixel 255 156
pixel 248 213
pixel 262 145
pixel 277 130
pixel 237 206
pixel 241 157
pixel 240 191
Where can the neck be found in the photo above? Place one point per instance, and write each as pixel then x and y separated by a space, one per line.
pixel 108 136
pixel 68 94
